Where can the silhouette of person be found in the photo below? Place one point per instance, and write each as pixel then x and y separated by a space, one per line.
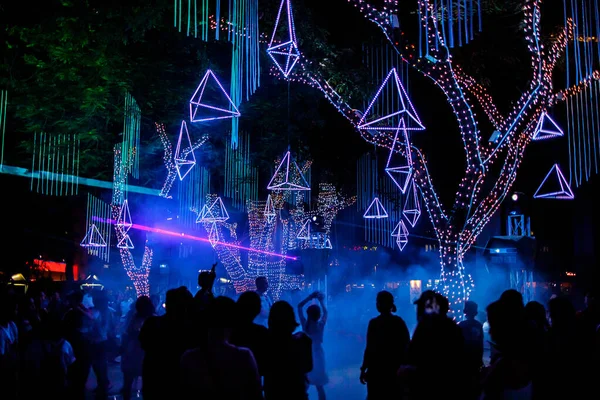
pixel 289 356
pixel 220 370
pixel 313 324
pixel 386 350
pixel 247 333
pixel 262 286
pixel 437 345
pixel 164 339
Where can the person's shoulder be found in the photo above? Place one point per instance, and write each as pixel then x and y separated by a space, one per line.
pixel 301 337
pixel 192 354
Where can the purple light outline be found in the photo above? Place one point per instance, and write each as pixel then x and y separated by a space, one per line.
pixel 201 87
pixel 378 206
pixel 542 134
pixel 292 42
pixel 269 208
pixel 124 221
pixel 566 192
pixel 197 238
pixel 401 91
pixel 213 235
pixel 306 230
pixel 401 235
pixel 415 212
pixel 400 169
pixel 87 240
pixel 128 243
pixel 182 161
pixel 224 215
pixel 293 186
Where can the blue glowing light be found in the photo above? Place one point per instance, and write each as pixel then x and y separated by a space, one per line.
pixel 400 232
pixel 214 212
pixel 284 52
pixel 392 121
pixel 185 159
pixel 124 221
pixel 93 238
pixel 288 176
pixel 375 210
pixel 125 242
pixel 547 128
pixel 304 233
pixel 210 101
pixel 399 167
pixel 556 188
pixel 412 206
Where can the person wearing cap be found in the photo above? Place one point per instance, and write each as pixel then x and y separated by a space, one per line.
pixel 436 351
pixel 385 352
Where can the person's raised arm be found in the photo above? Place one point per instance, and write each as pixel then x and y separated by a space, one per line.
pixel 321 298
pixel 301 309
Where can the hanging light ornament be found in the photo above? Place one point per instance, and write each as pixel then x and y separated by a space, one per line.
pixel 283 47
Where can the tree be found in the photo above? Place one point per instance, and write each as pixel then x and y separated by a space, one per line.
pixel 490 166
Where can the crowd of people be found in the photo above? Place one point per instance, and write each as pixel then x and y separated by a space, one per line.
pixel 202 346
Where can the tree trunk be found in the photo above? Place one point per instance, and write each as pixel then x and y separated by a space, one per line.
pixel 455 284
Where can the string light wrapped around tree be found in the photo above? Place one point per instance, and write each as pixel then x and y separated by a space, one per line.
pixel 479 193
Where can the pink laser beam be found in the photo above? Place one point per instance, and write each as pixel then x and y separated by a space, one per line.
pixel 200 239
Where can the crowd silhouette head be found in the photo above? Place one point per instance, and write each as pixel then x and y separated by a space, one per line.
pixel 385 302
pixel 249 306
pixel 282 318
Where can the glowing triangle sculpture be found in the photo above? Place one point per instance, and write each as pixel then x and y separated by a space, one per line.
pixel 283 48
pixel 547 128
pixel 555 188
pixel 93 238
pixel 288 176
pixel 304 233
pixel 412 206
pixel 218 211
pixel 327 244
pixel 391 84
pixel 125 242
pixel 213 235
pixel 205 215
pixel 124 221
pixel 184 154
pixel 401 234
pixel 399 167
pixel 270 209
pixel 375 210
pixel 210 101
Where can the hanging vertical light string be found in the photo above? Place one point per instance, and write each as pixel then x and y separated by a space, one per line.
pixel 380 58
pixel 583 116
pixel 245 64
pixel 3 106
pixel 192 193
pixel 241 178
pixel 457 22
pixel 55 164
pixel 130 147
pixel 99 214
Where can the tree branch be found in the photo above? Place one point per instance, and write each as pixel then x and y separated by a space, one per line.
pixel 383 139
pixel 540 82
pixel 482 96
pixel 490 204
pixel 168 157
pixel 564 94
